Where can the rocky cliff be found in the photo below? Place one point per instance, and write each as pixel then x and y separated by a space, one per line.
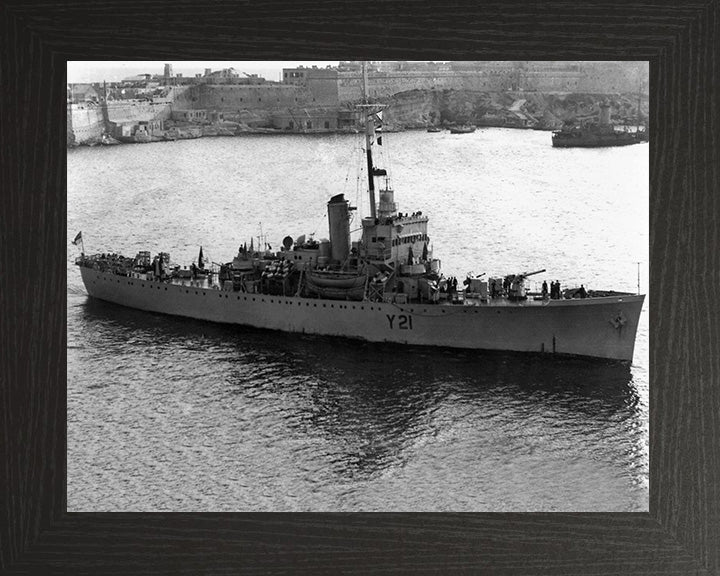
pixel 420 108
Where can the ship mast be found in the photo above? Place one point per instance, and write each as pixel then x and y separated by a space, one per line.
pixel 369 131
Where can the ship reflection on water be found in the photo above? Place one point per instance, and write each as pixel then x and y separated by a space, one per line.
pixel 350 424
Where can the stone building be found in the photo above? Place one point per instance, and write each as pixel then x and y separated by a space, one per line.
pixel 189 115
pixel 321 84
pixel 83 93
pixel 306 120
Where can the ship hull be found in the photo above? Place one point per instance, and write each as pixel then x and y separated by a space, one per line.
pixel 594 141
pixel 592 144
pixel 597 327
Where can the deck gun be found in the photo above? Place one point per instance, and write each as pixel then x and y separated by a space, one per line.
pixel 517 285
pixel 526 274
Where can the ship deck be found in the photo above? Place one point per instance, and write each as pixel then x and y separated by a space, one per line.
pixel 461 299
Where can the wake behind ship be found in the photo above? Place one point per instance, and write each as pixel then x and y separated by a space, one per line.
pixel 386 287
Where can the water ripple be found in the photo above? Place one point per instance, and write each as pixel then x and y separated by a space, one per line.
pixel 171 414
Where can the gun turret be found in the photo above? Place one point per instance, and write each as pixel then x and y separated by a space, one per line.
pixel 526 274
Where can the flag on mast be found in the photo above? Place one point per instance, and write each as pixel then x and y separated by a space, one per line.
pixel 79 239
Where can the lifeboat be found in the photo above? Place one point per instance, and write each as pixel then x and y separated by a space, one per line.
pixel 335 279
pixel 336 285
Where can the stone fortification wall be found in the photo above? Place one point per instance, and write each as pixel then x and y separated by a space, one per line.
pixel 254 105
pixel 85 123
pixel 586 77
pixel 183 97
pixel 385 84
pixel 616 77
pixel 262 97
pixel 325 90
pixel 133 111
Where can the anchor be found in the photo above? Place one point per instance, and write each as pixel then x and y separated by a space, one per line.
pixel 619 321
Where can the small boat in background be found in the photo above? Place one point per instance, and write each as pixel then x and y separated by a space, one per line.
pixel 462 129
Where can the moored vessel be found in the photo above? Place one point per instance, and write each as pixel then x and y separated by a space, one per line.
pixel 600 135
pixel 464 129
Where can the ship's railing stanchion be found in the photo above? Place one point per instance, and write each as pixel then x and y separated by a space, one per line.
pixel 300 282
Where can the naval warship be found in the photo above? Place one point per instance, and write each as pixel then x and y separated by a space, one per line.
pixel 386 287
pixel 600 135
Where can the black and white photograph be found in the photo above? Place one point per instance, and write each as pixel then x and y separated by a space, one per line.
pixel 358 286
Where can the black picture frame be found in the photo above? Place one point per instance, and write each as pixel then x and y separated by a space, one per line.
pixel 680 534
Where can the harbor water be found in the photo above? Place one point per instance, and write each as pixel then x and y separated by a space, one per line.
pixel 170 414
